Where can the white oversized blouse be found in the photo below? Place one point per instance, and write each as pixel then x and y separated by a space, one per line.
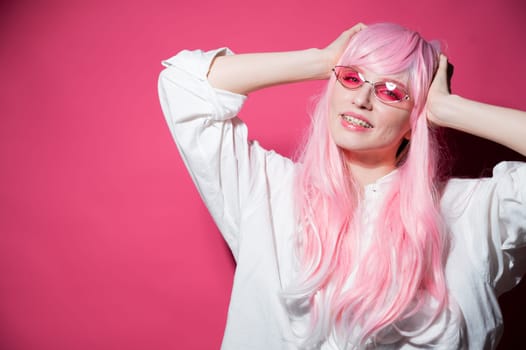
pixel 248 191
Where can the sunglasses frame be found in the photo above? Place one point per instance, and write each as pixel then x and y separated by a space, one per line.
pixel 337 69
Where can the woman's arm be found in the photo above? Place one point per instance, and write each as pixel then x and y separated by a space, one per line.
pixel 502 125
pixel 249 72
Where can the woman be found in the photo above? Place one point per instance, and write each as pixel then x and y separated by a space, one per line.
pixel 358 245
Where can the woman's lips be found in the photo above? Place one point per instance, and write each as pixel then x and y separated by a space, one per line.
pixel 355 121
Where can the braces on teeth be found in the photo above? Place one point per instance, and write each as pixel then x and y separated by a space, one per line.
pixel 356 121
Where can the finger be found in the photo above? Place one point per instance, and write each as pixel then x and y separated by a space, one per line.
pixel 355 28
pixel 450 69
pixel 344 37
pixel 441 79
pixel 442 66
pixel 360 26
pixel 445 72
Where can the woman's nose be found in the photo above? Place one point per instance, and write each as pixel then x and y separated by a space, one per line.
pixel 362 96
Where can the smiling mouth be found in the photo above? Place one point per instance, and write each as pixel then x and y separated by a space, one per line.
pixel 356 121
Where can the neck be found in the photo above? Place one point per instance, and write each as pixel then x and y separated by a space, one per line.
pixel 367 170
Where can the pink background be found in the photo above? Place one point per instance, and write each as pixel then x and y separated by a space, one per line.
pixel 104 241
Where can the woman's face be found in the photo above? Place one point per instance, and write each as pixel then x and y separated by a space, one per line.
pixel 368 129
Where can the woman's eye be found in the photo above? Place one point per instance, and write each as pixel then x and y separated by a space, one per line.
pixel 351 78
pixel 390 94
pixel 389 91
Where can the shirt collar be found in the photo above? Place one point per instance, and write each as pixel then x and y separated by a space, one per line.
pixel 382 183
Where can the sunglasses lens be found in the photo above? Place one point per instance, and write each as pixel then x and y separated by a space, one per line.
pixel 349 77
pixel 389 92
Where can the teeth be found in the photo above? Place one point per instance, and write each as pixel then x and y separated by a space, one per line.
pixel 356 121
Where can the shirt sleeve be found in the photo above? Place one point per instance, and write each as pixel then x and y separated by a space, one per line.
pixel 228 170
pixel 508 223
pixel 489 216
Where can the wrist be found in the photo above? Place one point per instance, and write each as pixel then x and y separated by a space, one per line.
pixel 448 109
pixel 320 64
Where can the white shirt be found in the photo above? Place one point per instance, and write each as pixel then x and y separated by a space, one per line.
pixel 248 191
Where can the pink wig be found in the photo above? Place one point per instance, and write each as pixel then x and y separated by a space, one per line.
pixel 352 294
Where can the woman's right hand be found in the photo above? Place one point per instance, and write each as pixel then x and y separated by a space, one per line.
pixel 249 72
pixel 334 50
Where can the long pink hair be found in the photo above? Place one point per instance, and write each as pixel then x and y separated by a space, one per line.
pixel 403 266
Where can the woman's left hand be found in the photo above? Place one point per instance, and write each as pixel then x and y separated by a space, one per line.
pixel 438 95
pixel 499 124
